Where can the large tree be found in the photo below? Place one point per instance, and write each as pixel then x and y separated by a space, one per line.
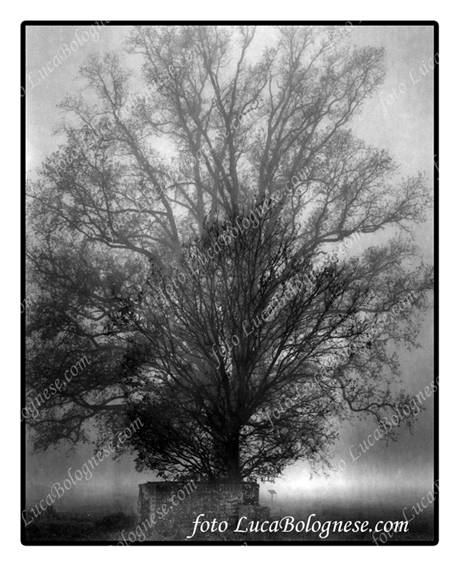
pixel 154 163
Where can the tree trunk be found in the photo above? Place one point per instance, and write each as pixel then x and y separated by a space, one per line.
pixel 233 458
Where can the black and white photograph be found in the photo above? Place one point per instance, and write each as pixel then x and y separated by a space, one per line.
pixel 229 283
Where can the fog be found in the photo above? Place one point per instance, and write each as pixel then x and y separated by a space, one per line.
pixel 392 475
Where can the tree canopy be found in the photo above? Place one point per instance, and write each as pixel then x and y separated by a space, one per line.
pixel 134 262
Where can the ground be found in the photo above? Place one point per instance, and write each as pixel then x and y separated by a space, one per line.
pixel 67 528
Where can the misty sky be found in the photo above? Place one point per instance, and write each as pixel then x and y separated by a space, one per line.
pixel 403 124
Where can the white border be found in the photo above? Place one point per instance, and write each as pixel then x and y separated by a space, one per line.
pixel 10 39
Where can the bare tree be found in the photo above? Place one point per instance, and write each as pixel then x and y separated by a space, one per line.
pixel 218 127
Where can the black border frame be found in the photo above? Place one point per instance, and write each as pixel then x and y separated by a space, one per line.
pixel 326 542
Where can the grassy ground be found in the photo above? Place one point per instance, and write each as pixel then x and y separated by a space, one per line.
pixel 110 528
pixel 77 528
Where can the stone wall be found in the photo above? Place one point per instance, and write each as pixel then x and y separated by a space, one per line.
pixel 183 501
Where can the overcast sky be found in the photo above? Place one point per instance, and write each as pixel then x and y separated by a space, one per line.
pixel 398 118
